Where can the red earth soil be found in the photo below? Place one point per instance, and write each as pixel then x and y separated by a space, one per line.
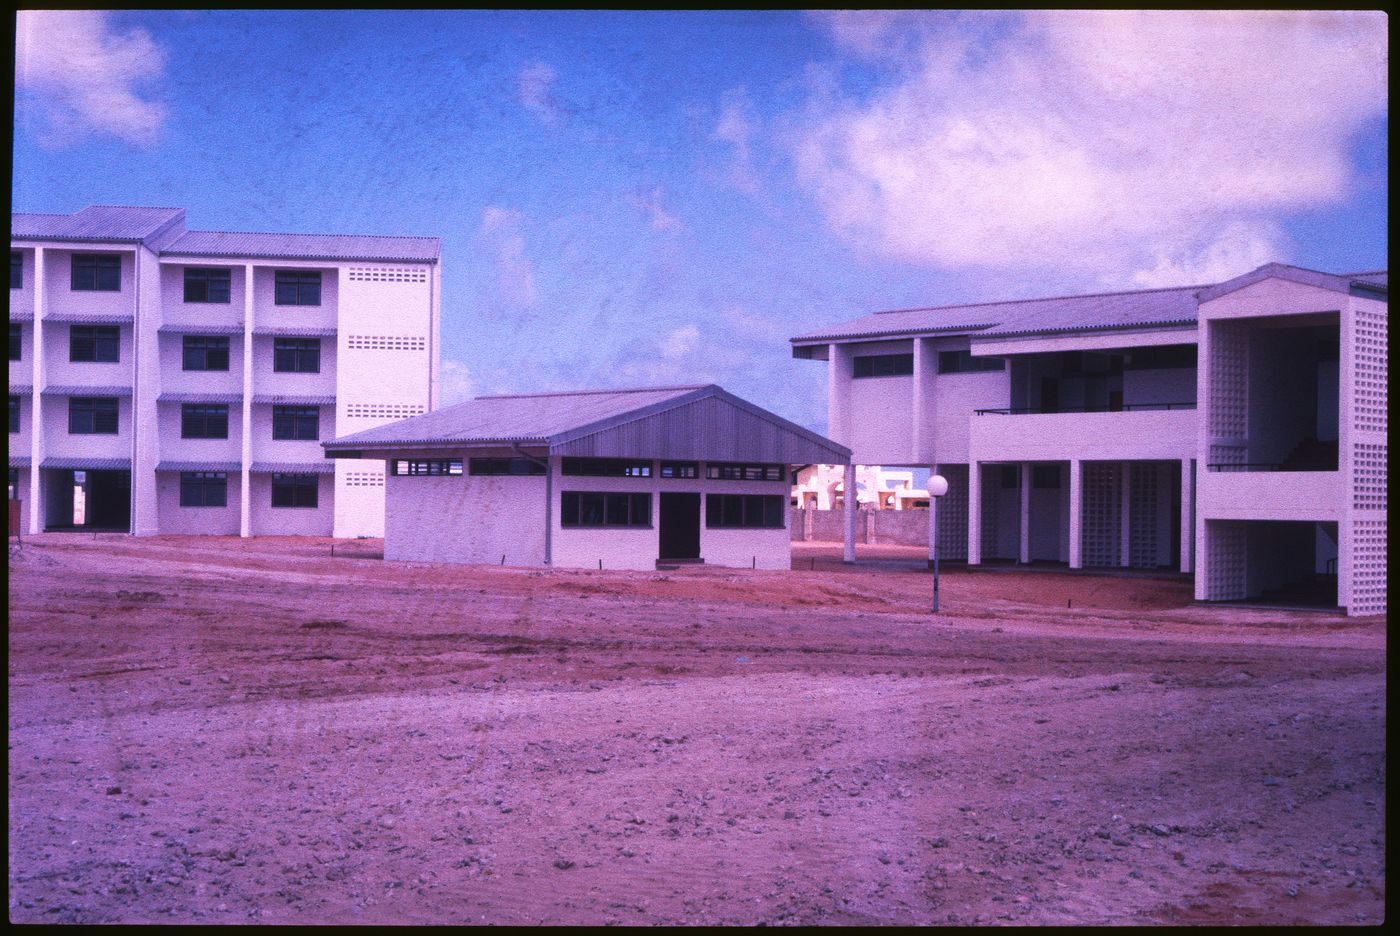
pixel 223 730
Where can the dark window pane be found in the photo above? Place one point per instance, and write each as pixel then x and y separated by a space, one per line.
pixel 206 285
pixel 297 355
pixel 16 270
pixel 590 509
pixel 99 272
pixel 297 287
pixel 16 342
pixel 568 509
pixel 14 414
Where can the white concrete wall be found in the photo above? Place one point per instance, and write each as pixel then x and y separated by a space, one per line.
pixel 176 311
pixel 174 448
pixel 465 519
pixel 956 396
pixel 22 299
pixel 292 521
pixel 267 380
pixel 1145 435
pixel 197 520
pixel 58 283
pixel 175 379
pixel 268 313
pixel 62 372
pixel 59 444
pixel 268 449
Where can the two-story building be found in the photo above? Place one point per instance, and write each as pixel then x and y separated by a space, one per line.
pixel 165 380
pixel 1242 422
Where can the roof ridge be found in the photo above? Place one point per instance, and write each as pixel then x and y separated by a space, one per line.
pixel 306 234
pixel 556 393
pixel 146 207
pixel 1099 295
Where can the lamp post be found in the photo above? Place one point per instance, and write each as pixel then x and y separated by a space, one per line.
pixel 937 487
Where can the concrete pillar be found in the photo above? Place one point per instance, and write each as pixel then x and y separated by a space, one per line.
pixel 1076 514
pixel 849 505
pixel 145 442
pixel 974 513
pixel 1124 520
pixel 37 428
pixel 245 499
pixel 1025 512
pixel 838 394
pixel 1188 512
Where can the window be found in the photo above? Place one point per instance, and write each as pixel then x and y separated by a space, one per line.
pixel 16 341
pixel 606 468
pixel 1163 357
pixel 962 362
pixel 14 414
pixel 598 508
pixel 98 343
pixel 92 415
pixel 203 489
pixel 206 284
pixel 680 469
pixel 204 421
pixel 436 466
pixel 294 490
pixel 1010 476
pixel 296 355
pixel 746 510
pixel 14 484
pixel 505 466
pixel 16 270
pixel 1045 476
pixel 730 472
pixel 296 422
pixel 97 273
pixel 298 287
pixel 883 365
pixel 206 352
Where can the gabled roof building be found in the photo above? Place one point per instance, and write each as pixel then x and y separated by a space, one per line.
pixel 1232 430
pixel 595 479
pixel 178 381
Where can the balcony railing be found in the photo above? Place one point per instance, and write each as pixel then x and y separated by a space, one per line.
pixel 1125 408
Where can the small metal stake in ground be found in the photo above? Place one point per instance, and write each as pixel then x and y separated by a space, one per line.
pixel 937 487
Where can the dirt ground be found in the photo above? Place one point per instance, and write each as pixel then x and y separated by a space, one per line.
pixel 217 730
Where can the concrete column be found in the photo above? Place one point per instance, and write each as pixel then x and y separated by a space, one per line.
pixel 1025 512
pixel 145 441
pixel 1188 511
pixel 838 394
pixel 1076 514
pixel 36 402
pixel 849 505
pixel 245 499
pixel 1124 524
pixel 974 513
pixel 932 517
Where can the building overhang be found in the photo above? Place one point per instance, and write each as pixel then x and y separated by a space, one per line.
pixel 1099 340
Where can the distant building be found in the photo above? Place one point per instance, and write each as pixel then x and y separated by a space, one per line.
pixel 1235 430
pixel 164 380
pixel 822 487
pixel 622 479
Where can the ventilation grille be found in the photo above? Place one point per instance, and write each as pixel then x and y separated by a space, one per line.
pixel 1225 560
pixel 383 410
pixel 952 514
pixel 1370 371
pixel 1143 497
pixel 1103 513
pixel 364 479
pixel 1368 476
pixel 387 342
pixel 991 512
pixel 1368 567
pixel 387 275
pixel 1228 381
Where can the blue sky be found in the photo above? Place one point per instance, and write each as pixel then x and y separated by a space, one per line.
pixel 630 199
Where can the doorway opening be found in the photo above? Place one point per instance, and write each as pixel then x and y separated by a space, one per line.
pixel 88 500
pixel 680 526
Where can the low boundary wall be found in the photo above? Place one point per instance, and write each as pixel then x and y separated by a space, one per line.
pixel 902 527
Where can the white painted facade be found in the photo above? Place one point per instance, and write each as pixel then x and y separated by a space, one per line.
pixel 377 323
pixel 1098 441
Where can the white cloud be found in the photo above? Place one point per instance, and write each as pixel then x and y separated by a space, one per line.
pixel 84 75
pixel 500 228
pixel 679 342
pixel 1158 142
pixel 737 126
pixel 654 207
pixel 535 85
pixel 456 383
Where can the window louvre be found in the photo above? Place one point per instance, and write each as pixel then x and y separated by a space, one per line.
pixel 722 471
pixel 606 468
pixel 767 511
pixel 506 466
pixel 883 365
pixel 604 509
pixel 432 467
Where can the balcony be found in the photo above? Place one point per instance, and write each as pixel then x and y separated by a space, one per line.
pixel 1245 494
pixel 1147 431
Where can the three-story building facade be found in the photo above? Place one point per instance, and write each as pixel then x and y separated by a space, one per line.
pixel 167 380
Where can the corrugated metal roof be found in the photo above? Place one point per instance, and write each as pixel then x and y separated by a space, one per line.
pixel 21 390
pixel 21 315
pixel 86 463
pixel 91 318
pixel 306 246
pixel 19 461
pixel 199 466
pixel 658 422
pixel 200 398
pixel 1091 312
pixel 292 467
pixel 97 223
pixel 1341 283
pixel 95 391
pixel 291 399
pixel 194 329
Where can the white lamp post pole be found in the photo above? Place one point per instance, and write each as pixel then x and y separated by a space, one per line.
pixel 937 487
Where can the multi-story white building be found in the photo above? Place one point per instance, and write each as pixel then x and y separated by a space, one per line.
pixel 164 380
pixel 1235 430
